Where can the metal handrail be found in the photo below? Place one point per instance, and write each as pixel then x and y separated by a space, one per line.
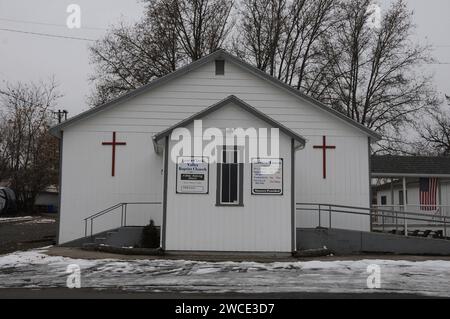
pixel 411 205
pixel 123 217
pixel 404 215
pixel 367 208
pixel 436 210
pixel 105 211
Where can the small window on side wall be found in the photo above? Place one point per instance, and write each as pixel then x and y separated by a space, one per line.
pixel 383 200
pixel 220 67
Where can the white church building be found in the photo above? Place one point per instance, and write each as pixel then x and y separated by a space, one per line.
pixel 155 153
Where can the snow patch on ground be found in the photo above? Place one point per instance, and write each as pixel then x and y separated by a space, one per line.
pixel 25 220
pixel 36 269
pixel 39 221
pixel 15 219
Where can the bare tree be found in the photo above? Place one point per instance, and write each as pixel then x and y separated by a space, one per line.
pixel 202 25
pixel 329 49
pixel 28 153
pixel 172 33
pixel 435 134
pixel 262 25
pixel 434 131
pixel 307 23
pixel 281 37
pixel 131 56
pixel 375 71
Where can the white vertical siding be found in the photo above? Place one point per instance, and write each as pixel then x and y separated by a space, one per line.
pixel 88 187
pixel 347 181
pixel 445 193
pixel 264 223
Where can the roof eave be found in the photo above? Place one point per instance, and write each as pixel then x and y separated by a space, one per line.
pixel 372 134
pixel 217 54
pixel 140 90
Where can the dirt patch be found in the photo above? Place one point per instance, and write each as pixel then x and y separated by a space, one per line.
pixel 26 234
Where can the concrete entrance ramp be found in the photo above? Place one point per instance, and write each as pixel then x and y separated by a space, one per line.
pixel 356 242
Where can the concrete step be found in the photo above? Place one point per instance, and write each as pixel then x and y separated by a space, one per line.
pixel 111 233
pixel 100 240
pixel 128 236
pixel 124 237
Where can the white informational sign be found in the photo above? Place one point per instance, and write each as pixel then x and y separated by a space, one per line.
pixel 267 176
pixel 192 175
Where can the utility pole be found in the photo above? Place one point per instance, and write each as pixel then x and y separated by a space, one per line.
pixel 62 115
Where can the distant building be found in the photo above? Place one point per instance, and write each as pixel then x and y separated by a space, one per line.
pixel 415 184
pixel 47 201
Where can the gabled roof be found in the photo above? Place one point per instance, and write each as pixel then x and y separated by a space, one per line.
pixel 219 54
pixel 412 166
pixel 236 101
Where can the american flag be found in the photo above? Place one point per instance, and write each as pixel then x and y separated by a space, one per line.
pixel 427 194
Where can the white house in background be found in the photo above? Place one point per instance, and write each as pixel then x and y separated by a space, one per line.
pixel 122 152
pixel 424 180
pixel 47 201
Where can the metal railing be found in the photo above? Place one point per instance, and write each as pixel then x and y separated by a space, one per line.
pixel 375 214
pixel 122 207
pixel 435 211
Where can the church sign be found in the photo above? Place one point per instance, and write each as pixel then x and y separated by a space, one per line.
pixel 192 175
pixel 267 176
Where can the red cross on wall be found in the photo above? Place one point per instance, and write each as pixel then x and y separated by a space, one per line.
pixel 324 147
pixel 114 143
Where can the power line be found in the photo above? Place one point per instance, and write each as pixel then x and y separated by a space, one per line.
pixel 48 24
pixel 47 35
pixel 438 63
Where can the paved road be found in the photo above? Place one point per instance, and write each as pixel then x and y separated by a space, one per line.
pixel 63 293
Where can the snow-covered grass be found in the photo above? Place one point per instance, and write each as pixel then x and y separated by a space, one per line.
pixel 39 221
pixel 15 219
pixel 23 220
pixel 36 269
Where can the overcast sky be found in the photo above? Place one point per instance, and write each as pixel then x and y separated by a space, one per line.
pixel 32 57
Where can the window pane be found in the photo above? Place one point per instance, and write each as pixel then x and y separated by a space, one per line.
pixel 225 183
pixel 224 156
pixel 229 190
pixel 233 183
pixel 220 67
pixel 400 197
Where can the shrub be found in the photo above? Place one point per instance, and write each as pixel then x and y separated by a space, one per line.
pixel 150 236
